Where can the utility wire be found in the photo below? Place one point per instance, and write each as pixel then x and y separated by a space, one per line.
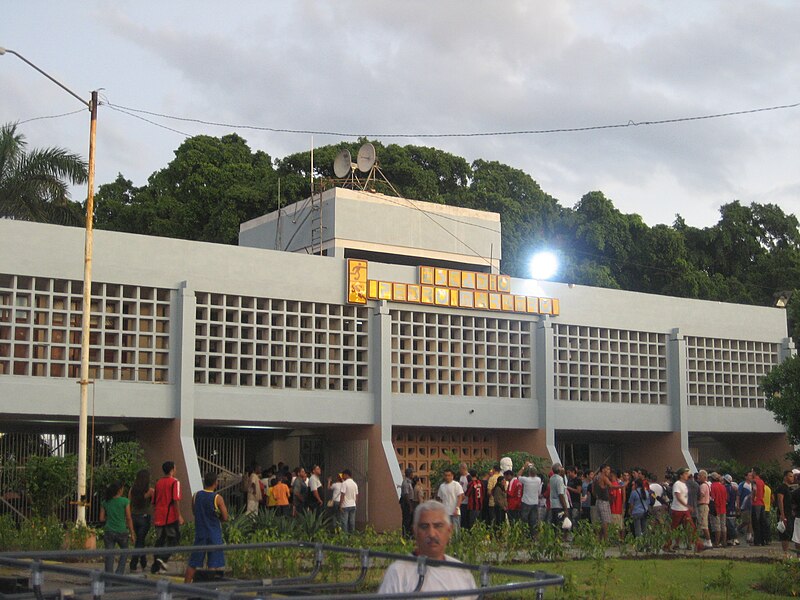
pixel 66 114
pixel 131 114
pixel 630 123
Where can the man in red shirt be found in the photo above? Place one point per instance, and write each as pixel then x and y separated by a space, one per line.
pixel 759 516
pixel 719 496
pixel 514 496
pixel 616 493
pixel 167 517
pixel 475 499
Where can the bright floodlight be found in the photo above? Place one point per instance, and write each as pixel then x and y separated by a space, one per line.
pixel 543 265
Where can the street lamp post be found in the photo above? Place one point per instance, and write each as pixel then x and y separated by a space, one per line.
pixel 86 313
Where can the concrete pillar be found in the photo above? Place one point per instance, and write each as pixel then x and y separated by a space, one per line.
pixel 677 392
pixel 384 508
pixel 544 385
pixel 185 333
pixel 161 441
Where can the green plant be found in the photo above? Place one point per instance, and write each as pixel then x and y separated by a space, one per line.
pixel 520 457
pixel 586 540
pixel 125 459
pixel 8 532
pixel 724 582
pixel 49 481
pixel 81 537
pixel 40 533
pixel 602 575
pixel 549 543
pixel 783 579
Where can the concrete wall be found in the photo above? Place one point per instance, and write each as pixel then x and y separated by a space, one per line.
pixel 368 221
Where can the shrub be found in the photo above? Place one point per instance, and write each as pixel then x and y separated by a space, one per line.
pixel 783 579
pixel 49 481
pixel 125 459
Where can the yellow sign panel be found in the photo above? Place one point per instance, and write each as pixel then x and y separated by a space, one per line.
pixel 446 287
pixel 356 281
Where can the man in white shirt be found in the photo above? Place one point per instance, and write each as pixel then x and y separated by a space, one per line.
pixel 531 488
pixel 559 503
pixel 316 493
pixel 450 495
pixel 347 502
pixel 680 509
pixel 432 529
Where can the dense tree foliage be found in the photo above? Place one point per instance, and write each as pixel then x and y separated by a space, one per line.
pixel 34 184
pixel 209 188
pixel 782 388
pixel 213 184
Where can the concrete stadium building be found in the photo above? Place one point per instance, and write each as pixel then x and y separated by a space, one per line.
pixel 365 331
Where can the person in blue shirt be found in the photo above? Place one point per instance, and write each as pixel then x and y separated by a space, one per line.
pixel 730 515
pixel 209 513
pixel 639 505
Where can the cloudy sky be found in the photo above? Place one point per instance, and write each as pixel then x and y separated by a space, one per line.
pixel 410 67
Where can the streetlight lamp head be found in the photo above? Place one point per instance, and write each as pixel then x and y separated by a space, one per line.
pixel 2 51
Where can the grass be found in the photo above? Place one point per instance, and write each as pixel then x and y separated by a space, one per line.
pixel 642 579
pixel 681 578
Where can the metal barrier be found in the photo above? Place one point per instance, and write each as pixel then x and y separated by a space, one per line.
pixel 99 584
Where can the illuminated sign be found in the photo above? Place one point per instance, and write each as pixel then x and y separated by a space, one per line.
pixel 446 287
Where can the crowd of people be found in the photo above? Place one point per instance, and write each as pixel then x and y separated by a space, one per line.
pixel 292 493
pixel 714 508
pixel 722 511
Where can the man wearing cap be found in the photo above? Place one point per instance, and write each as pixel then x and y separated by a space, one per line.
pixel 730 518
pixel 407 500
pixel 680 509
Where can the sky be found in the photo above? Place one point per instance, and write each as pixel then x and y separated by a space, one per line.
pixel 447 67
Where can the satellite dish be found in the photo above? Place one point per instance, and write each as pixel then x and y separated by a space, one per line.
pixel 366 157
pixel 342 164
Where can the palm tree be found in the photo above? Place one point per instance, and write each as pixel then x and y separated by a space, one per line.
pixel 33 185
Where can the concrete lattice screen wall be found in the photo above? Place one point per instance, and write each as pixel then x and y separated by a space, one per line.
pixel 438 353
pixel 40 329
pixel 419 449
pixel 727 373
pixel 599 364
pixel 284 344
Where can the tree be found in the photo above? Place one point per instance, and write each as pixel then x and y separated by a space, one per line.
pixel 210 187
pixel 782 389
pixel 34 184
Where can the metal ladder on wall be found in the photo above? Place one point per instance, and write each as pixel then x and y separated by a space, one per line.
pixel 317 226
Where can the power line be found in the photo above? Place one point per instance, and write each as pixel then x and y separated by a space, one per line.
pixel 629 123
pixel 66 114
pixel 135 116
